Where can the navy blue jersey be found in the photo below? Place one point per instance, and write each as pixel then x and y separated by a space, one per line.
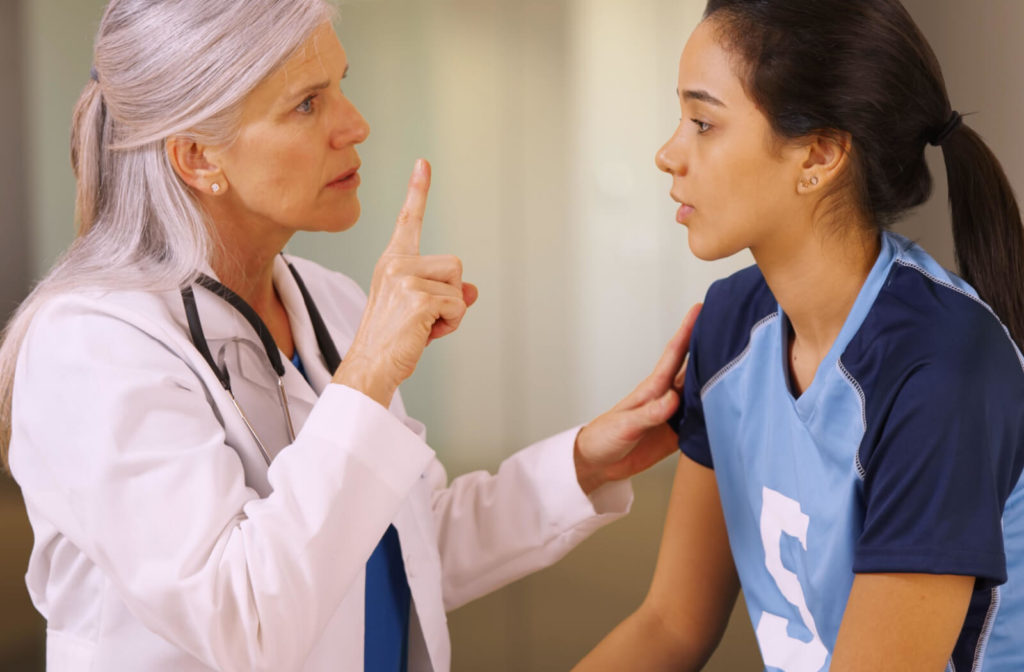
pixel 903 455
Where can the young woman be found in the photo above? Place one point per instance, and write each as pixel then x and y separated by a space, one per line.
pixel 853 422
pixel 215 459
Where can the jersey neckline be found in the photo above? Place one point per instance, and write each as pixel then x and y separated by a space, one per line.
pixel 805 404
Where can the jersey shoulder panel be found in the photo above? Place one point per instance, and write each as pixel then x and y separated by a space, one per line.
pixel 943 391
pixel 932 327
pixel 732 309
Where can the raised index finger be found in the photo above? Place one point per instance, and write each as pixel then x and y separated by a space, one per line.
pixel 406 238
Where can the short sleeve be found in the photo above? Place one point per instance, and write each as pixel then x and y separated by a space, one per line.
pixel 940 466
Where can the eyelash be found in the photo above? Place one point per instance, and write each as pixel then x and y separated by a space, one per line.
pixel 702 126
pixel 306 106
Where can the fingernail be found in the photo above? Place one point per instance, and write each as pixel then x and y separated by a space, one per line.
pixel 421 166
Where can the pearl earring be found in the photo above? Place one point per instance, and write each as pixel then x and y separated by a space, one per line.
pixel 215 187
pixel 814 181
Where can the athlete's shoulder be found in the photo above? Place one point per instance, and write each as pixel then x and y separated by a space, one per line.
pixel 733 308
pixel 935 363
pixel 927 316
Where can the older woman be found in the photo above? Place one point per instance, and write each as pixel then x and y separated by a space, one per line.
pixel 210 482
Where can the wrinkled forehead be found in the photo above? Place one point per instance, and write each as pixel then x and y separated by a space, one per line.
pixel 316 59
pixel 320 58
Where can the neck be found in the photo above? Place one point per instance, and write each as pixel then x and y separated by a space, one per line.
pixel 243 259
pixel 816 279
pixel 244 262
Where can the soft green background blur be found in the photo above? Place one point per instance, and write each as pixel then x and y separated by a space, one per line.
pixel 541 118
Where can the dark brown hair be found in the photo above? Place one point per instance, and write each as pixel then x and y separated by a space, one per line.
pixel 862 67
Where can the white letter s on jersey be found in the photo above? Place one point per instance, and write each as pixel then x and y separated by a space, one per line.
pixel 782 515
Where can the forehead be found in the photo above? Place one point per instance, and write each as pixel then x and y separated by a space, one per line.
pixel 317 57
pixel 320 58
pixel 707 66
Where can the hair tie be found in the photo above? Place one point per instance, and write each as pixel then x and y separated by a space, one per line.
pixel 954 122
pixel 93 75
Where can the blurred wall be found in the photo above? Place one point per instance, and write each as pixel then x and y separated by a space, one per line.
pixel 978 45
pixel 14 234
pixel 20 626
pixel 541 118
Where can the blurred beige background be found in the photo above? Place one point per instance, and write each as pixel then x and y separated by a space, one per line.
pixel 541 118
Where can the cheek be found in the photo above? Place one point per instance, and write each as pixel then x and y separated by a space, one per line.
pixel 753 188
pixel 276 173
pixel 726 177
pixel 740 194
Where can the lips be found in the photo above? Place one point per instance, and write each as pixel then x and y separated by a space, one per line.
pixel 684 213
pixel 347 180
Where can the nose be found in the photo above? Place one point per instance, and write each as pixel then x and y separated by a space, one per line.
pixel 670 158
pixel 349 127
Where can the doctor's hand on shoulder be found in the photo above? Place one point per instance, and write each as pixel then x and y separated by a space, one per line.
pixel 413 300
pixel 634 434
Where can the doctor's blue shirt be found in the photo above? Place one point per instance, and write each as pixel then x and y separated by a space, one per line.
pixel 388 600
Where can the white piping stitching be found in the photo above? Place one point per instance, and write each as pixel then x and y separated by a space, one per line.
pixel 938 281
pixel 986 631
pixel 735 362
pixel 863 413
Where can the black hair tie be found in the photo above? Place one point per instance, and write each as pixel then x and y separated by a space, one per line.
pixel 955 119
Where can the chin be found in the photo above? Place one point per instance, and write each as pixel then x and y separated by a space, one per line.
pixel 709 248
pixel 343 220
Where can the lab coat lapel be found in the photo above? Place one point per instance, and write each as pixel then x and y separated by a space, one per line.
pixel 302 331
pixel 429 647
pixel 233 341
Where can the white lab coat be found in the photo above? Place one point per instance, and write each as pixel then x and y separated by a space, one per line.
pixel 163 541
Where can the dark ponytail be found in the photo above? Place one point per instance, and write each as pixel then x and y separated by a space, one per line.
pixel 862 67
pixel 987 231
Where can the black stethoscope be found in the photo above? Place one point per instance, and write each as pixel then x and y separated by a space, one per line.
pixel 323 338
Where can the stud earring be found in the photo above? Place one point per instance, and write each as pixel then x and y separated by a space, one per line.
pixel 814 181
pixel 215 187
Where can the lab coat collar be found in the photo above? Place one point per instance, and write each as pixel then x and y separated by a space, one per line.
pixel 302 326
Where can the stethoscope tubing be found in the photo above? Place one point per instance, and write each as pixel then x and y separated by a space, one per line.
pixel 195 327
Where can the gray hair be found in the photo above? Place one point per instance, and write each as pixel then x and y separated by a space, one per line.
pixel 162 69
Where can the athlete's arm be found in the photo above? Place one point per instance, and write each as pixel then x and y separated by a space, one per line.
pixel 905 622
pixel 693 590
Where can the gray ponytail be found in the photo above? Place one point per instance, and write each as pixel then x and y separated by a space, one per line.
pixel 87 125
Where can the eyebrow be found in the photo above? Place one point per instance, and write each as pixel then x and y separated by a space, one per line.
pixel 319 86
pixel 700 95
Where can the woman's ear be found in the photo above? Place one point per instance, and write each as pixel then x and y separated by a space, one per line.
pixel 192 162
pixel 825 161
